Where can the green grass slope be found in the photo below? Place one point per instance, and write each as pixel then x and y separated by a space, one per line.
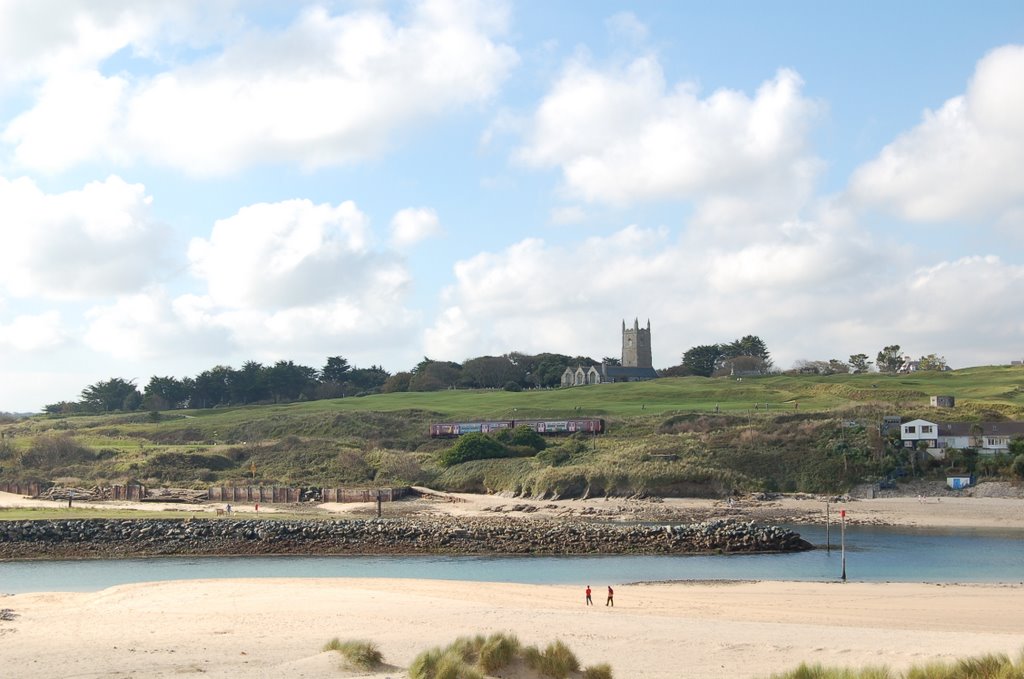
pixel 673 436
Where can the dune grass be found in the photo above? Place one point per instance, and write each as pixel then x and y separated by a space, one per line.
pixel 990 666
pixel 475 657
pixel 363 655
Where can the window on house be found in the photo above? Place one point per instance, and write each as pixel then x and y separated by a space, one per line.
pixel 911 430
pixel 926 429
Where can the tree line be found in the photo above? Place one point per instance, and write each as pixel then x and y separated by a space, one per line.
pixel 287 381
pixel 890 359
pixel 284 381
pixel 749 355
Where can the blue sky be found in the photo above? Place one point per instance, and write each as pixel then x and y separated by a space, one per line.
pixel 186 184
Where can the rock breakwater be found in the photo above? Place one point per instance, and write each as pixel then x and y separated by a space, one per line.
pixel 107 538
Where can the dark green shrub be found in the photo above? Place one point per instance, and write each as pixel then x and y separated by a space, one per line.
pixel 512 386
pixel 473 446
pixel 50 450
pixel 521 436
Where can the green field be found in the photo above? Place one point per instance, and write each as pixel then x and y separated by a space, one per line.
pixel 687 435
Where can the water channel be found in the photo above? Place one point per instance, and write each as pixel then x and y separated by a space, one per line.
pixel 872 555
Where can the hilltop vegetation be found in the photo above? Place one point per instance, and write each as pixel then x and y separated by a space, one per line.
pixel 689 436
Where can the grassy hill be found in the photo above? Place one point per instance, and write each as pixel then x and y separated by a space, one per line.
pixel 673 436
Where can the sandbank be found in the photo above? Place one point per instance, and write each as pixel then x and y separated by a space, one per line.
pixel 935 511
pixel 277 627
pixel 990 505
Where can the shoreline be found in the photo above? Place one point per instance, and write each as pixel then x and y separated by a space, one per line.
pixel 274 627
pixel 988 505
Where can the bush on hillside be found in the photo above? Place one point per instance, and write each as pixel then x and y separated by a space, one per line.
pixel 50 450
pixel 522 436
pixel 474 446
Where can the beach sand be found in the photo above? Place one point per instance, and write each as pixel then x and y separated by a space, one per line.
pixel 277 627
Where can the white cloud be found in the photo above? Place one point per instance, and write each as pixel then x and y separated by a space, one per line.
pixel 568 214
pixel 32 333
pixel 292 253
pixel 40 38
pixel 47 138
pixel 963 160
pixel 98 240
pixel 626 25
pixel 147 325
pixel 412 225
pixel 295 276
pixel 622 136
pixel 325 90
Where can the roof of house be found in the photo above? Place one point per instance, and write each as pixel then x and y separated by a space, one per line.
pixel 987 428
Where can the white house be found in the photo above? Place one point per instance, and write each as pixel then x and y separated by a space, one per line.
pixel 915 431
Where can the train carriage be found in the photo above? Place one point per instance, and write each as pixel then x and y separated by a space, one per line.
pixel 454 429
pixel 587 425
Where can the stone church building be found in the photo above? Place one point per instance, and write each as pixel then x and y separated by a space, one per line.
pixel 636 361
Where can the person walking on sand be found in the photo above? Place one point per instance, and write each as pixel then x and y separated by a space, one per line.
pixel 590 602
pixel 611 600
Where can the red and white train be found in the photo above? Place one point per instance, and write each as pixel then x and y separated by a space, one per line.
pixel 586 425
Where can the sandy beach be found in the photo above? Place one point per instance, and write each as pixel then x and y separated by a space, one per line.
pixel 275 627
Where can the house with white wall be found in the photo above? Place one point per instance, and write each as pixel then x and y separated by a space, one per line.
pixel 915 431
pixel 985 437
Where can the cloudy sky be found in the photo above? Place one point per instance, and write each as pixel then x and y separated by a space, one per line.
pixel 191 183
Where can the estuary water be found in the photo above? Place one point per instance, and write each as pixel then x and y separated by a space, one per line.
pixel 872 555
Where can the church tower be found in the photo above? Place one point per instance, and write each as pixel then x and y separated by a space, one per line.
pixel 636 345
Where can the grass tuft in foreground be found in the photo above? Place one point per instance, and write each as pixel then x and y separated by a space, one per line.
pixel 361 654
pixel 474 657
pixel 991 666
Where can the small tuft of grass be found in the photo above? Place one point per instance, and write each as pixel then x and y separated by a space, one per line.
pixel 555 661
pixel 601 671
pixel 361 654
